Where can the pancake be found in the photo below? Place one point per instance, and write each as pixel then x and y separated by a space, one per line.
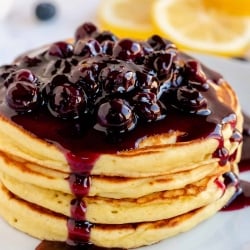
pixel 156 206
pixel 104 186
pixel 115 142
pixel 133 163
pixel 43 224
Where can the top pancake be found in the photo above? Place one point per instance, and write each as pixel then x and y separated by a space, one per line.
pixel 137 162
pixel 87 143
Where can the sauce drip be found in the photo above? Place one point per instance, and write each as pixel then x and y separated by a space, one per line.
pixel 241 198
pixel 52 245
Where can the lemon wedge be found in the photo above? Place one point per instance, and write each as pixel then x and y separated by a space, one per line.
pixel 126 18
pixel 193 26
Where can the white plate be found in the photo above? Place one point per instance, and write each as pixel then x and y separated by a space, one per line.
pixel 224 231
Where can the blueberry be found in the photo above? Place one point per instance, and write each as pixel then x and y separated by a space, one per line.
pixel 191 100
pixel 49 86
pixel 45 11
pixel 67 102
pixel 128 50
pixel 116 115
pixel 159 43
pixel 87 48
pixel 147 107
pixel 147 81
pixel 85 76
pixel 25 75
pixel 105 36
pixel 85 30
pixel 107 47
pixel 117 78
pixel 22 96
pixel 196 75
pixel 161 62
pixel 60 49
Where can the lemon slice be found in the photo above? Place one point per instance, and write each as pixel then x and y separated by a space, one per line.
pixel 126 18
pixel 192 26
pixel 232 7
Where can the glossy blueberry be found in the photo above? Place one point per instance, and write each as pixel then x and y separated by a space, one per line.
pixel 117 78
pixel 22 96
pixel 87 48
pixel 146 81
pixel 195 74
pixel 159 43
pixel 25 75
pixel 175 79
pixel 55 81
pixel 147 48
pixel 127 49
pixel 67 102
pixel 86 76
pixel 45 11
pixel 191 100
pixel 85 30
pixel 60 49
pixel 116 115
pixel 105 36
pixel 107 47
pixel 161 62
pixel 147 107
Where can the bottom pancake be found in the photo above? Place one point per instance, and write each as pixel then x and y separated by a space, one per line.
pixel 44 224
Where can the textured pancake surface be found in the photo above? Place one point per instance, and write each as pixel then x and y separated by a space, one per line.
pixel 156 206
pixel 43 224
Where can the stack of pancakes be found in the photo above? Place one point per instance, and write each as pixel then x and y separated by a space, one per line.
pixel 136 197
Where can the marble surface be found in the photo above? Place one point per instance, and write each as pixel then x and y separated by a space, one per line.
pixel 20 30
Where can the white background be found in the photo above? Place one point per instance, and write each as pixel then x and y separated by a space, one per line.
pixel 20 30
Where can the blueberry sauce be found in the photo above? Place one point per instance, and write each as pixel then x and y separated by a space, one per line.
pixel 79 184
pixel 52 245
pixel 101 95
pixel 241 199
pixel 79 231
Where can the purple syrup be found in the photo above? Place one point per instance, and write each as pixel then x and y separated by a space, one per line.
pixel 84 163
pixel 78 209
pixel 54 245
pixel 78 231
pixel 241 198
pixel 246 139
pixel 79 184
pixel 244 166
pixel 220 184
pixel 222 154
